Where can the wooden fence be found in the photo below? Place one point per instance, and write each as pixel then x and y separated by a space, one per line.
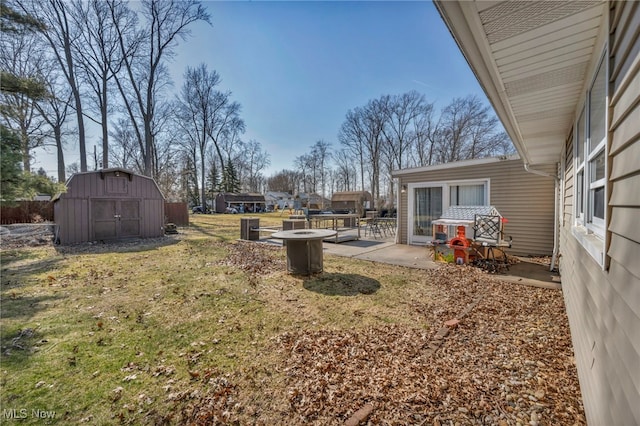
pixel 27 212
pixel 177 213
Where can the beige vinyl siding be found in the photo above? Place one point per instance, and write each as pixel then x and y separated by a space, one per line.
pixel 525 199
pixel 603 304
pixel 569 185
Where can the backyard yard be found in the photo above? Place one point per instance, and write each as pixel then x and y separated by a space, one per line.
pixel 200 328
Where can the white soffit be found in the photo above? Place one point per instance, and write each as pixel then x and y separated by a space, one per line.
pixel 532 58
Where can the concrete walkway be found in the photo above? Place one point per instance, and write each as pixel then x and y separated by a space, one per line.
pixel 386 251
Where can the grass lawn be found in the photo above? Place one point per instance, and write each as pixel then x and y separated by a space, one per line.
pixel 200 328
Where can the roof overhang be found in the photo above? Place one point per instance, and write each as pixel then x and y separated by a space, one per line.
pixel 532 59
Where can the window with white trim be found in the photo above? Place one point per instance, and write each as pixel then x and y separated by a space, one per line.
pixel 590 156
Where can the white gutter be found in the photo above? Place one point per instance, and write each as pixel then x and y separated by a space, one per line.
pixel 556 200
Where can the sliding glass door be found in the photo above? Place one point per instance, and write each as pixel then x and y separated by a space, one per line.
pixel 427 202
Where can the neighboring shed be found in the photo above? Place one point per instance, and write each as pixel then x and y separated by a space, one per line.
pixel 253 202
pixel 108 204
pixel 526 200
pixel 353 201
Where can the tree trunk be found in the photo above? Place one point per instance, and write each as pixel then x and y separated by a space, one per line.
pixel 61 168
pixel 105 128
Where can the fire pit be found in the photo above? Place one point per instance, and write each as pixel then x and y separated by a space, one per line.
pixel 304 249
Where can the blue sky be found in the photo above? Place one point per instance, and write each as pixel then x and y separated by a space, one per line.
pixel 298 67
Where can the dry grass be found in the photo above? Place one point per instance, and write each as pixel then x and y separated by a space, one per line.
pixel 200 328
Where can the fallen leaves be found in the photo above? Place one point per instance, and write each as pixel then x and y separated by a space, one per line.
pixel 507 359
pixel 255 258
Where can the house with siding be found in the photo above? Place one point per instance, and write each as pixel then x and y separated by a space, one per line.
pixel 564 79
pixel 524 199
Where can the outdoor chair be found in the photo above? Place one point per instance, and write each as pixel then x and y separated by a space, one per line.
pixel 488 238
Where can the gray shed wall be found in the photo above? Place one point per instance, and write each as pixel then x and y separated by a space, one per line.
pixel 74 211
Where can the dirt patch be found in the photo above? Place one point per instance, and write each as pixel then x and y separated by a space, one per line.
pixel 26 235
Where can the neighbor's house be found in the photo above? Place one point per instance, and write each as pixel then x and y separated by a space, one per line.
pixel 352 201
pixel 280 199
pixel 311 201
pixel 524 199
pixel 564 78
pixel 250 202
pixel 108 204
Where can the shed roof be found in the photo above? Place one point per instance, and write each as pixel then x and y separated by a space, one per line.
pixel 351 196
pixel 243 198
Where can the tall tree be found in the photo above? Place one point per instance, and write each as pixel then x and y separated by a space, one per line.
pixel 21 55
pixel 321 156
pixel 61 33
pixel 144 55
pixel 352 136
pixel 99 55
pixel 10 159
pixel 54 110
pixel 426 132
pixel 253 161
pixel 198 102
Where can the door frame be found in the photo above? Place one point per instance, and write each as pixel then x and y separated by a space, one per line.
pixel 446 202
pixel 419 239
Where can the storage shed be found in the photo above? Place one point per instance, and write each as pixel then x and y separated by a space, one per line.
pixel 353 201
pixel 108 204
pixel 249 202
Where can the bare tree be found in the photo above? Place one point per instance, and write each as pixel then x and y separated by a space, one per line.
pixel 468 130
pixel 197 104
pixel 320 153
pixel 54 110
pixel 253 161
pixel 426 131
pixel 288 181
pixel 99 54
pixel 144 56
pixel 21 54
pixel 125 152
pixel 345 175
pixel 352 137
pixel 400 112
pixel 60 33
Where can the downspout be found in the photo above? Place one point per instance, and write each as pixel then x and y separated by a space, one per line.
pixel 556 199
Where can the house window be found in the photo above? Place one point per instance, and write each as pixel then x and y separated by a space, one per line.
pixel 590 157
pixel 467 195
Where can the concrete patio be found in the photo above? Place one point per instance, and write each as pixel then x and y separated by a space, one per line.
pixel 387 251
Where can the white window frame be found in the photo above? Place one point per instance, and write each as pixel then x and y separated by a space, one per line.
pixel 446 201
pixel 588 229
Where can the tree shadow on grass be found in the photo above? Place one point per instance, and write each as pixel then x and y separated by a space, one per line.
pixel 118 246
pixel 341 284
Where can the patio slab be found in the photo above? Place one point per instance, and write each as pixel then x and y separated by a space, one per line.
pixel 387 251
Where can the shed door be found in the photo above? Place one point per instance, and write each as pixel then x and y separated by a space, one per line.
pixel 129 218
pixel 114 219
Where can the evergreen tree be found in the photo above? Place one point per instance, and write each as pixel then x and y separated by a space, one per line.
pixel 230 181
pixel 11 178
